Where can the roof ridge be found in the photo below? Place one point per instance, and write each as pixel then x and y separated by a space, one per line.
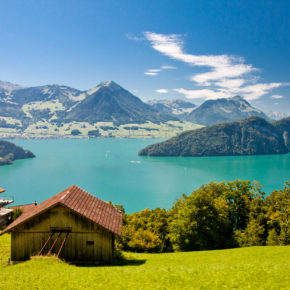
pixel 80 201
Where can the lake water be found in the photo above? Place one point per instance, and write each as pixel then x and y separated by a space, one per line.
pixel 112 170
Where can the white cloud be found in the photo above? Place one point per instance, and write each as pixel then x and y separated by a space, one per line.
pixel 162 91
pixel 202 94
pixel 251 92
pixel 168 67
pixel 133 37
pixel 277 97
pixel 230 83
pixel 223 66
pixel 225 72
pixel 155 72
pixel 227 76
pixel 151 73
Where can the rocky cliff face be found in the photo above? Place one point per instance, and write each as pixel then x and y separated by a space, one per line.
pixel 10 152
pixel 252 136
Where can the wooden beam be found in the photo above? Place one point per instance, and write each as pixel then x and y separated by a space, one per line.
pixel 45 244
pixel 49 252
pixel 62 244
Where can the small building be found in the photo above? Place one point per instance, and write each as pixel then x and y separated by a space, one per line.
pixel 5 213
pixel 74 225
pixel 5 216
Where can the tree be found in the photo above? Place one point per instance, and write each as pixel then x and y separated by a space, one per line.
pixel 273 238
pixel 251 236
pixel 278 213
pixel 145 241
pixel 154 221
pixel 200 220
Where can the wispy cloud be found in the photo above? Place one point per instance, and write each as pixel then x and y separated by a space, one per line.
pixel 223 66
pixel 228 75
pixel 251 92
pixel 256 91
pixel 155 72
pixel 162 91
pixel 168 67
pixel 201 94
pixel 133 37
pixel 277 97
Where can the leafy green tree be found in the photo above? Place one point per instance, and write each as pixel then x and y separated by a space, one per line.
pixel 145 241
pixel 251 236
pixel 155 221
pixel 200 220
pixel 240 196
pixel 273 238
pixel 278 213
pixel 215 216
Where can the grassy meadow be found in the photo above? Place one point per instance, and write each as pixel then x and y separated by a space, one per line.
pixel 243 268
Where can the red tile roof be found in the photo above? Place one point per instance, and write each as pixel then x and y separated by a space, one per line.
pixel 24 208
pixel 80 202
pixel 2 190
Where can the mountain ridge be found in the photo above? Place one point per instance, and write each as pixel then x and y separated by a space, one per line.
pixel 178 108
pixel 112 103
pixel 223 110
pixel 251 136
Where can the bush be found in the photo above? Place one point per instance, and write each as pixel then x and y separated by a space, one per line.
pixel 16 213
pixel 251 236
pixel 154 221
pixel 145 241
pixel 273 238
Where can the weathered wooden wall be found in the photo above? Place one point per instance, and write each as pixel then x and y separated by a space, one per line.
pixel 87 242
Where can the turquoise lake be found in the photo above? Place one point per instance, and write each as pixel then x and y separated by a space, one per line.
pixel 112 170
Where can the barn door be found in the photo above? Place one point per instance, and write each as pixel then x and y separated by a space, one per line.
pixel 90 251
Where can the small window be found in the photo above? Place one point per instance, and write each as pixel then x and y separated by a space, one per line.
pixel 90 243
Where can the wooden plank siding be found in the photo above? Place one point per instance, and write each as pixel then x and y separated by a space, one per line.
pixel 86 241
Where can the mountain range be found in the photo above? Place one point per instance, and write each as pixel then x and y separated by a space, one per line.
pixel 108 102
pixel 210 112
pixel 251 136
pixel 177 108
pixel 106 110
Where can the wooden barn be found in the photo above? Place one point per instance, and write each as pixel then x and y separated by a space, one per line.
pixel 74 225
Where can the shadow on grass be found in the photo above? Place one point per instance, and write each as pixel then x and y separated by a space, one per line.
pixel 128 262
pixel 114 263
pixel 119 259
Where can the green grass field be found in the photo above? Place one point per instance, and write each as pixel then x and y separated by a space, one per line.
pixel 246 268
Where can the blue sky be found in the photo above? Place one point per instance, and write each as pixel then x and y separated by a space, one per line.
pixel 156 49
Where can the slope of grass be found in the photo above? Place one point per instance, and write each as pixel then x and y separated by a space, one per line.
pixel 4 250
pixel 255 268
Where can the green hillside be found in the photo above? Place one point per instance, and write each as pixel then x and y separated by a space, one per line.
pixel 244 268
pixel 251 136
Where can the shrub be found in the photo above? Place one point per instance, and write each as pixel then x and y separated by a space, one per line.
pixel 145 241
